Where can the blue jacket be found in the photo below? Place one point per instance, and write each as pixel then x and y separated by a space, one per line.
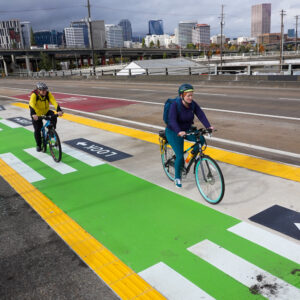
pixel 183 120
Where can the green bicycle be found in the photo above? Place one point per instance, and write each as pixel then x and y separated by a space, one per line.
pixel 208 175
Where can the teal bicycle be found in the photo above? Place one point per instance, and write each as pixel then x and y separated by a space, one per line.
pixel 51 138
pixel 208 175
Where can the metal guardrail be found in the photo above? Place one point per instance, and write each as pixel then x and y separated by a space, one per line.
pixel 211 69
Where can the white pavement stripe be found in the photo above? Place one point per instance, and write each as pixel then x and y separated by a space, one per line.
pixel 48 160
pixel 10 124
pixel 268 240
pixel 210 94
pixel 243 271
pixel 24 170
pixel 251 114
pixel 82 156
pixel 171 284
pixel 293 99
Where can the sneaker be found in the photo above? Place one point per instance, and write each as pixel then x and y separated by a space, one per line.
pixel 38 149
pixel 177 183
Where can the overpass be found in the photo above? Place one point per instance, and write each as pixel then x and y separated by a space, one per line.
pixel 30 57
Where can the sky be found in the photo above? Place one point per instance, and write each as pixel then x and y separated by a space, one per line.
pixel 57 14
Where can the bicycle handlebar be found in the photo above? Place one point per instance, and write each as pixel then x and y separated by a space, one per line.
pixel 49 118
pixel 200 131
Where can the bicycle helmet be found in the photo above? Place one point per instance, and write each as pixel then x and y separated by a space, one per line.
pixel 186 87
pixel 41 86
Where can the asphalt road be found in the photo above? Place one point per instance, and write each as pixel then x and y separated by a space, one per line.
pixel 34 262
pixel 259 121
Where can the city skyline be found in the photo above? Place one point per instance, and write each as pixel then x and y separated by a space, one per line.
pixel 237 15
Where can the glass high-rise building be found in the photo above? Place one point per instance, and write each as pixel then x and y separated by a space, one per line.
pixel 114 36
pixel 127 30
pixel 185 29
pixel 26 34
pixel 43 37
pixel 156 27
pixel 201 34
pixel 74 37
pixel 84 25
pixel 260 19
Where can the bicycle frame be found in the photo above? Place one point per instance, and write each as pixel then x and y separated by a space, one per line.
pixel 195 157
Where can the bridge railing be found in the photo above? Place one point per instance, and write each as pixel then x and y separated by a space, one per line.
pixel 211 69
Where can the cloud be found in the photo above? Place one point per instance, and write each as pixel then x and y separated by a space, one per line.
pixel 57 14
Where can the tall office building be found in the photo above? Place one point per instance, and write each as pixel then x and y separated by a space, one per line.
pixel 201 34
pixel 44 37
pixel 10 34
pixel 156 27
pixel 127 30
pixel 114 36
pixel 260 19
pixel 74 37
pixel 185 29
pixel 84 25
pixel 26 34
pixel 98 31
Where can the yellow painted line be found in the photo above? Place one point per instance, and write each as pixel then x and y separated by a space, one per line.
pixel 118 276
pixel 240 160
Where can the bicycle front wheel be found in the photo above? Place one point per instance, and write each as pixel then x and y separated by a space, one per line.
pixel 54 145
pixel 168 161
pixel 209 180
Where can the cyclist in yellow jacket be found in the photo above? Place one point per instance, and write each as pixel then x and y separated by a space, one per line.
pixel 40 100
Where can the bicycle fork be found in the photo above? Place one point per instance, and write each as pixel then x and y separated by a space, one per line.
pixel 209 176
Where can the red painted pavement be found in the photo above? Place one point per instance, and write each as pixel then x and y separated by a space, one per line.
pixel 83 103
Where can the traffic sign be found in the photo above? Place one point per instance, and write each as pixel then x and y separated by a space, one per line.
pixel 98 150
pixel 279 218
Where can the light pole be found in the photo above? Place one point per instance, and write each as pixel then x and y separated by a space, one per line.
pixel 281 40
pixel 296 44
pixel 91 36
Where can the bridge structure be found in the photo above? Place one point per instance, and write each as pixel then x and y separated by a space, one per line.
pixel 29 57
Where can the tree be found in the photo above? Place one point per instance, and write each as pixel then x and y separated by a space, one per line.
pixel 151 44
pixel 32 39
pixel 143 43
pixel 261 49
pixel 165 55
pixel 96 57
pixel 190 46
pixel 158 44
pixel 45 62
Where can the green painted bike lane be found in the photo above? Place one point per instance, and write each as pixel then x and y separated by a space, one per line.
pixel 143 224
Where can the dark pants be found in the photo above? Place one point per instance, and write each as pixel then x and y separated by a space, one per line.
pixel 37 125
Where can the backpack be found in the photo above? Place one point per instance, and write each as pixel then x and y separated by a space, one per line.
pixel 37 94
pixel 168 104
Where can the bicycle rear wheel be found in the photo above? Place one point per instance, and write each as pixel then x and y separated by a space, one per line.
pixel 168 161
pixel 44 143
pixel 209 180
pixel 54 145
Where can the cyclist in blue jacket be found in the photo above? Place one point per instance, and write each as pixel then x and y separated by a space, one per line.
pixel 180 120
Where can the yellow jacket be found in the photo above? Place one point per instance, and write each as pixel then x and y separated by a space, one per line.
pixel 39 105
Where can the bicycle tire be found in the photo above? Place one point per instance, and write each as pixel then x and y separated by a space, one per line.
pixel 44 143
pixel 169 168
pixel 54 145
pixel 212 187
